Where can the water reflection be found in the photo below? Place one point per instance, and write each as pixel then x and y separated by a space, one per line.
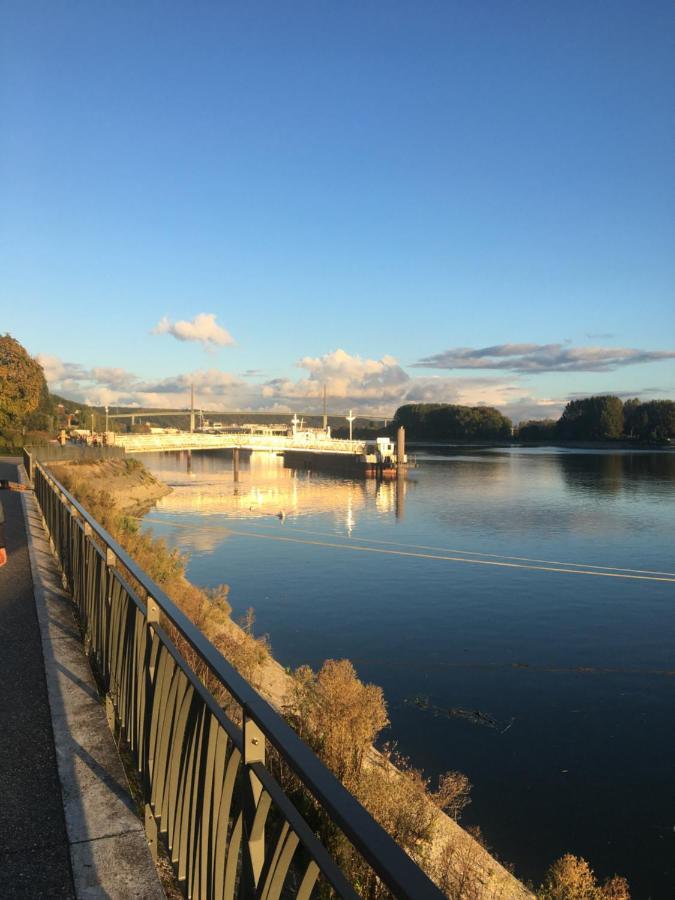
pixel 614 473
pixel 249 485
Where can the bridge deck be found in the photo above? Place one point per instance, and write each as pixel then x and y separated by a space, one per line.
pixel 34 856
pixel 185 440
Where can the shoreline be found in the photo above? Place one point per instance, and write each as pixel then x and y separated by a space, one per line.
pixel 133 488
pixel 642 447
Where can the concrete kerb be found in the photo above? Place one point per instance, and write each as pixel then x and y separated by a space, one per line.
pixel 109 853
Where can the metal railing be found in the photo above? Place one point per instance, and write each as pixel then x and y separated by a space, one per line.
pixel 56 452
pixel 150 443
pixel 211 797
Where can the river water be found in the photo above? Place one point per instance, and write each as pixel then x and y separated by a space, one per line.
pixel 517 606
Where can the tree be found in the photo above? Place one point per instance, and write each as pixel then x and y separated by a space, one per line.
pixel 632 415
pixel 538 430
pixel 448 421
pixel 592 419
pixel 651 421
pixel 22 387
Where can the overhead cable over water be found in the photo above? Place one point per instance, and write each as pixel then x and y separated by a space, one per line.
pixel 442 554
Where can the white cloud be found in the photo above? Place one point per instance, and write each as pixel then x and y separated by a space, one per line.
pixel 110 386
pixel 378 386
pixel 536 358
pixel 56 370
pixel 368 386
pixel 202 329
pixel 346 377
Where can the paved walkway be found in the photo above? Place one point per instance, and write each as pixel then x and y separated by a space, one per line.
pixel 34 853
pixel 68 825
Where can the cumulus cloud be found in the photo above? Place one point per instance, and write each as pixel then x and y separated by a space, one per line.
pixel 345 377
pixel 202 329
pixel 535 358
pixel 114 378
pixel 378 386
pixel 56 370
pixel 209 382
pixel 368 386
pixel 110 386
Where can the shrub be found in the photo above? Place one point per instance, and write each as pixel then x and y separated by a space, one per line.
pixel 571 878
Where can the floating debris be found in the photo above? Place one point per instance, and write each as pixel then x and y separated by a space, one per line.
pixel 475 716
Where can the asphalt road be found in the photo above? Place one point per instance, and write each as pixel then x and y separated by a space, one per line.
pixel 34 857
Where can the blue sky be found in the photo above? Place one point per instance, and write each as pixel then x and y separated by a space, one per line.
pixel 463 202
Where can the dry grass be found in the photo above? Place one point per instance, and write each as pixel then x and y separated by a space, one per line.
pixel 571 878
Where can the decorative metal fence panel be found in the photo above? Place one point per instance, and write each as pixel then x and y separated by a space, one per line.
pixel 228 827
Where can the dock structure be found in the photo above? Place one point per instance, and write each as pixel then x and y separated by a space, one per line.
pixel 276 443
pixel 299 448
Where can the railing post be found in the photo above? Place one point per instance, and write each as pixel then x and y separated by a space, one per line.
pixel 254 752
pixel 110 563
pixel 151 831
pixel 151 610
pixel 254 742
pixel 110 712
pixel 152 616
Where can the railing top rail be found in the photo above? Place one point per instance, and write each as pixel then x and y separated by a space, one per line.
pixel 397 870
pixel 243 439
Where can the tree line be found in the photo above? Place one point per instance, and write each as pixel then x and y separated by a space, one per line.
pixel 448 421
pixel 605 418
pixel 602 418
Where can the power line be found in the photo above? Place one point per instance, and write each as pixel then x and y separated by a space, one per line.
pixel 498 563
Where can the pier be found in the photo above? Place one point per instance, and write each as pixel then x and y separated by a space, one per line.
pixel 274 443
pixel 304 449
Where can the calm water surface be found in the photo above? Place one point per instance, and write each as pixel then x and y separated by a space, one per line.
pixel 573 672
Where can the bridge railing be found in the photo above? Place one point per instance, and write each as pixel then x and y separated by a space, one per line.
pixel 209 790
pixel 143 443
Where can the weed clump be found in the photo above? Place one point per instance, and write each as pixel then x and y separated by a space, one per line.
pixel 571 878
pixel 341 718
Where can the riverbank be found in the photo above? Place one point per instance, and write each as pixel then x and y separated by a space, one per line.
pixel 453 855
pixel 635 446
pixel 131 488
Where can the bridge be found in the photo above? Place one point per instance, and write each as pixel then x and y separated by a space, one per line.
pixel 274 443
pixel 193 413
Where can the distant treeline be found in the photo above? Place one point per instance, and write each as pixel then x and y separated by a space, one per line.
pixel 604 418
pixel 445 421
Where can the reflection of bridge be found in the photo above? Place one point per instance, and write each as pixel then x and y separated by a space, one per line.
pixel 185 440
